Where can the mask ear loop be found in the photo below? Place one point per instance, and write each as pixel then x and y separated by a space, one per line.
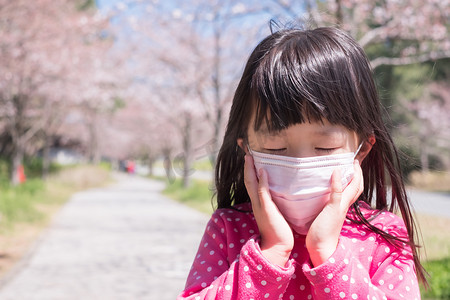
pixel 359 148
pixel 355 205
pixel 249 150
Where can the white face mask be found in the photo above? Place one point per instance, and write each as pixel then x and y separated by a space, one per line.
pixel 300 187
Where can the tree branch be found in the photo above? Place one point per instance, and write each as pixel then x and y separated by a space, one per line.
pixel 399 61
pixel 370 36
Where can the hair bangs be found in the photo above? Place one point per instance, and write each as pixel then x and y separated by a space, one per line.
pixel 279 95
pixel 305 78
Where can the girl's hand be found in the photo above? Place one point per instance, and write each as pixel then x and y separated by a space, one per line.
pixel 277 239
pixel 323 235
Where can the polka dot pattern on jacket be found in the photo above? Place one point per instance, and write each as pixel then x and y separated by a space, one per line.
pixel 229 263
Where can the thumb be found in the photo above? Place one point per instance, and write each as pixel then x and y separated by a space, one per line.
pixel 263 188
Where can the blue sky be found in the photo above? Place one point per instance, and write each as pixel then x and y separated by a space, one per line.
pixel 105 4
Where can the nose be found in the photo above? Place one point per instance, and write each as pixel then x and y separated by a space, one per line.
pixel 301 152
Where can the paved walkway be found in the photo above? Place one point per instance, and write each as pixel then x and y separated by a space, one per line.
pixel 437 204
pixel 121 242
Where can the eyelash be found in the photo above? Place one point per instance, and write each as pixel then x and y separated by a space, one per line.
pixel 326 150
pixel 276 150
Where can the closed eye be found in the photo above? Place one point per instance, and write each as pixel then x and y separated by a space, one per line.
pixel 325 150
pixel 280 150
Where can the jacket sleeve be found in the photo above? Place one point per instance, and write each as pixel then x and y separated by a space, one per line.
pixel 387 272
pixel 248 275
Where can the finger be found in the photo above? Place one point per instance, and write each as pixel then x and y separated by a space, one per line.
pixel 250 178
pixel 356 186
pixel 263 189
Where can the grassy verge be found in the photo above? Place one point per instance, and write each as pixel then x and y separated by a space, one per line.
pixel 27 209
pixel 436 241
pixel 439 281
pixel 197 196
pixel 435 181
pixel 435 234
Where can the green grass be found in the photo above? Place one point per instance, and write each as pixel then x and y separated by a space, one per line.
pixel 28 202
pixel 18 203
pixel 439 280
pixel 203 164
pixel 436 241
pixel 197 196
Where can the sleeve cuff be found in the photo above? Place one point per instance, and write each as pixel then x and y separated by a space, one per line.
pixel 252 257
pixel 324 273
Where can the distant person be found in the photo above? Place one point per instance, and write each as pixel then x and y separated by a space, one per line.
pixel 131 167
pixel 295 219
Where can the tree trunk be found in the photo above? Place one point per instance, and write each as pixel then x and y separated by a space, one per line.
pixel 187 150
pixel 168 167
pixel 216 139
pixel 424 162
pixel 151 162
pixel 216 85
pixel 94 156
pixel 46 157
pixel 424 152
pixel 339 16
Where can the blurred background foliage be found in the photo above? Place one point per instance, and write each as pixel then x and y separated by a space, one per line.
pixel 111 80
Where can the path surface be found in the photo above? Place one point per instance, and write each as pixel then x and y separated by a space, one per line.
pixel 125 241
pixel 437 204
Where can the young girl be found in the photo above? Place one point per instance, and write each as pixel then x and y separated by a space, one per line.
pixel 295 219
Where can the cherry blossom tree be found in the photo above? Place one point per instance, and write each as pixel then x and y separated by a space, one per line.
pixel 42 42
pixel 177 71
pixel 394 33
pixel 184 57
pixel 414 30
pixel 427 125
pixel 195 53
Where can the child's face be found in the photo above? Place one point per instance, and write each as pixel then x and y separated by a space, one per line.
pixel 304 140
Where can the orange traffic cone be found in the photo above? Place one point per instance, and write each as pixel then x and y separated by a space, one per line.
pixel 21 174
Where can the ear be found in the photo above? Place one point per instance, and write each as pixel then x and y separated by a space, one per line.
pixel 366 147
pixel 241 144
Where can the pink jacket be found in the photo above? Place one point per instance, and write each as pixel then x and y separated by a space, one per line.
pixel 229 264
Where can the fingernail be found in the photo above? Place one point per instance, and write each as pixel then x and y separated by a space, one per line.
pixel 260 173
